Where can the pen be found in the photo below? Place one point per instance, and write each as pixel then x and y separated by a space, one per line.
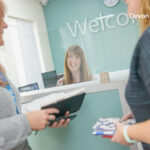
pixel 107 136
pixel 105 133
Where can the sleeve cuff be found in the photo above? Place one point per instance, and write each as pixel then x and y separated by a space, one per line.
pixel 26 125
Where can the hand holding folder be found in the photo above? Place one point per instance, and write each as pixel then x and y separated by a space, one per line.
pixel 63 101
pixel 69 101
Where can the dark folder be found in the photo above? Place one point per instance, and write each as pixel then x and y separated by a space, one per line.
pixel 71 104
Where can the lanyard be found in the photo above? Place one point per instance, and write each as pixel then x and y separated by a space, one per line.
pixel 8 87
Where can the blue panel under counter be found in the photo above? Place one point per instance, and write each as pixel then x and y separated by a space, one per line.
pixel 78 135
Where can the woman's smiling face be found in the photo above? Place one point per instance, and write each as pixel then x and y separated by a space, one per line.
pixel 73 62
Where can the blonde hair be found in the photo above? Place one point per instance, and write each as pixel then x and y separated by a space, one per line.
pixel 144 10
pixel 2 7
pixel 2 70
pixel 84 69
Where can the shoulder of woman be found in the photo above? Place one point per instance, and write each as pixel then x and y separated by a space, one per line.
pixel 144 40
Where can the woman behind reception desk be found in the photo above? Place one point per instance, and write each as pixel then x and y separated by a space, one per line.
pixel 75 68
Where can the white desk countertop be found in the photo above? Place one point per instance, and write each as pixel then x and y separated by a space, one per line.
pixel 114 77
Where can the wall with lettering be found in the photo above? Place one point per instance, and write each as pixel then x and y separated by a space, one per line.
pixel 106 34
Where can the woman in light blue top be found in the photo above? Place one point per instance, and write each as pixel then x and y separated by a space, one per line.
pixel 14 126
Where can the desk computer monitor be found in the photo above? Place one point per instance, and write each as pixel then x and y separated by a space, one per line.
pixel 29 87
pixel 50 79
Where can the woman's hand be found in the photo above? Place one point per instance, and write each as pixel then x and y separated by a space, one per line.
pixel 60 82
pixel 127 116
pixel 118 137
pixel 38 120
pixel 62 123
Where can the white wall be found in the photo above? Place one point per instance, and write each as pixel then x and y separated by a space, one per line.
pixel 30 10
pixel 33 11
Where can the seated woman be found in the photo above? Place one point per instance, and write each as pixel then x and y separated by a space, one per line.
pixel 75 68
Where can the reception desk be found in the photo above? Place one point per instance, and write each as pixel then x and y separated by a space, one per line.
pixel 101 100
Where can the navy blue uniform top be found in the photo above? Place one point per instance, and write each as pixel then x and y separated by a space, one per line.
pixel 138 87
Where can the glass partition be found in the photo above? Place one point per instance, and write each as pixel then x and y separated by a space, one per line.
pixel 68 41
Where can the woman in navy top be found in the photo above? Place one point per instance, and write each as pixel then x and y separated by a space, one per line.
pixel 138 87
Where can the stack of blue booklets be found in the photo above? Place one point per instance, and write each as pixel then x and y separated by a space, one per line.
pixel 106 127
